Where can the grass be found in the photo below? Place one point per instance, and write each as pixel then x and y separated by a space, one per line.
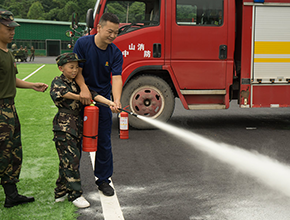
pixel 40 161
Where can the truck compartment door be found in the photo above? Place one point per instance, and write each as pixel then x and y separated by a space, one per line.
pixel 271 56
pixel 271 60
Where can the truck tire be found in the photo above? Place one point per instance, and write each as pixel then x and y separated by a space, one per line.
pixel 148 96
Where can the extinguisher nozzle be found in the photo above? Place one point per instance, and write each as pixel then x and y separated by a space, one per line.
pixel 130 113
pixel 134 114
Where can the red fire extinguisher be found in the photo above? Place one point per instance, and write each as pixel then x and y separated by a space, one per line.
pixel 90 129
pixel 124 125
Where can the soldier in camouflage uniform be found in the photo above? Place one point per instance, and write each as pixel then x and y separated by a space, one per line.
pixel 10 141
pixel 67 128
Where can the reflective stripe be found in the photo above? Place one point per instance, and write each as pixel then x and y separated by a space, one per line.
pixel 272 60
pixel 266 47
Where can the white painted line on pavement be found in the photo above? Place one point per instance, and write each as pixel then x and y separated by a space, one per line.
pixel 33 73
pixel 110 204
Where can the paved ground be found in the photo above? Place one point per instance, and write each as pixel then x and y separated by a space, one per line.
pixel 42 59
pixel 161 177
pixel 158 176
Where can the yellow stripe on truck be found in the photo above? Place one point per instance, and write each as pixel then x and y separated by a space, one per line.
pixel 269 47
pixel 272 60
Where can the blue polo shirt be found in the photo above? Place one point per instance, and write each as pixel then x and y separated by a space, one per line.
pixel 99 65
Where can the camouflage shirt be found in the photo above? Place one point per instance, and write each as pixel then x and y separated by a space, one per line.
pixel 67 118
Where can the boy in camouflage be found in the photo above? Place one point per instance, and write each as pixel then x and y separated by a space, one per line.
pixel 10 135
pixel 67 128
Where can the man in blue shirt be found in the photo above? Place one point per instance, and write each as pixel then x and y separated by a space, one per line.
pixel 103 65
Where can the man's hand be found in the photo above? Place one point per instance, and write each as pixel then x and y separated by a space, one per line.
pixel 117 85
pixel 115 109
pixel 85 96
pixel 40 87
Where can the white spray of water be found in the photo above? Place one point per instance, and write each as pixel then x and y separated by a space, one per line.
pixel 265 169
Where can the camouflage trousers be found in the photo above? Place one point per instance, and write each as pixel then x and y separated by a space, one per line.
pixel 10 143
pixel 68 149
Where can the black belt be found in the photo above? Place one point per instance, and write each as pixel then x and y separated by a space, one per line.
pixel 64 110
pixel 7 101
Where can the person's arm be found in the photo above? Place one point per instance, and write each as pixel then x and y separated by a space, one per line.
pixel 60 91
pixel 102 99
pixel 40 87
pixel 117 85
pixel 70 95
pixel 85 95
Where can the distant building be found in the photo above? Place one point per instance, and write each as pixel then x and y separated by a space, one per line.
pixel 47 37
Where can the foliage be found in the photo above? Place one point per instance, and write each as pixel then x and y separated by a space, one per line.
pixel 35 11
pixel 135 11
pixel 56 10
pixel 61 10
pixel 185 13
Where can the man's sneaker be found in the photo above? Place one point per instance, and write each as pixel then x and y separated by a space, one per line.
pixel 106 189
pixel 81 202
pixel 61 199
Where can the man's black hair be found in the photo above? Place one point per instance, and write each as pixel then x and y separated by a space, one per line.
pixel 109 17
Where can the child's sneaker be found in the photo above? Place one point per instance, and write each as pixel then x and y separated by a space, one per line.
pixel 81 202
pixel 61 199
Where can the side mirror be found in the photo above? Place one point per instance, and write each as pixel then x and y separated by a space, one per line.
pixel 75 20
pixel 90 19
pixel 69 33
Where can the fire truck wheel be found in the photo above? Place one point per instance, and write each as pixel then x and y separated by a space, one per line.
pixel 148 96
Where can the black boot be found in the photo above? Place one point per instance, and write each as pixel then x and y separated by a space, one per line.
pixel 12 196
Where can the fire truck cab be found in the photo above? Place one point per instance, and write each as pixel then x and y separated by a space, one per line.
pixel 204 52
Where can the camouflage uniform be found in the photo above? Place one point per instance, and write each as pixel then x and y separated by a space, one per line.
pixel 10 142
pixel 10 138
pixel 67 128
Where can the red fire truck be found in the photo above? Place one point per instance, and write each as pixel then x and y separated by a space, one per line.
pixel 204 52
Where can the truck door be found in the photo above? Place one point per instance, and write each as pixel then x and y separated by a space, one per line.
pixel 141 34
pixel 199 43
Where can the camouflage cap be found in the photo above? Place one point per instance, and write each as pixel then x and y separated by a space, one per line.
pixel 68 57
pixel 7 18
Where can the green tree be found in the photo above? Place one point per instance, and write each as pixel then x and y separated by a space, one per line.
pixel 52 15
pixel 137 12
pixel 57 10
pixel 118 9
pixel 127 12
pixel 68 9
pixel 186 13
pixel 36 11
pixel 48 5
pixel 18 8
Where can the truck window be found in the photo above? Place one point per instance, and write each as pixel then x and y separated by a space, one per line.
pixel 199 12
pixel 135 14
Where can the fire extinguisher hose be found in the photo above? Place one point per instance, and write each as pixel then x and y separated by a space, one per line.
pixel 121 109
